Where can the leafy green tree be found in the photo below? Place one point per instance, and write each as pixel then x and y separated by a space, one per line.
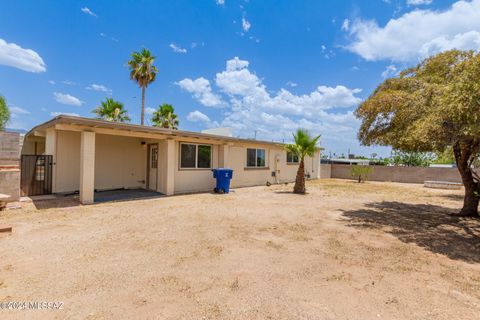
pixel 411 158
pixel 4 113
pixel 445 157
pixel 143 72
pixel 305 145
pixel 111 110
pixel 430 108
pixel 360 172
pixel 165 117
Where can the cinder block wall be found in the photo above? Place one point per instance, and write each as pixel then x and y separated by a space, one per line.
pixel 325 171
pixel 401 174
pixel 10 164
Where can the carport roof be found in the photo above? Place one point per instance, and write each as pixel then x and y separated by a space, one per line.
pixel 98 123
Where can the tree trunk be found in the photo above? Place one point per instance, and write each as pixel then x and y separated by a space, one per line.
pixel 300 179
pixel 464 153
pixel 143 107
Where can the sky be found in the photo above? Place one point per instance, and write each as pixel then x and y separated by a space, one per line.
pixel 261 67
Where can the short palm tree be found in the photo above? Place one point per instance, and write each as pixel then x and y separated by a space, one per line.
pixel 143 72
pixel 165 117
pixel 111 110
pixel 4 113
pixel 305 145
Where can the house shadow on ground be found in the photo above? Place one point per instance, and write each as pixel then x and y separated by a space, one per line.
pixel 428 226
pixel 71 200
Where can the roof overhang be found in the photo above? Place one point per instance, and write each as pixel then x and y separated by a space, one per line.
pixel 73 123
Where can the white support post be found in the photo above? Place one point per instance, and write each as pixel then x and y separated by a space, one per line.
pixel 224 151
pixel 51 149
pixel 170 168
pixel 87 167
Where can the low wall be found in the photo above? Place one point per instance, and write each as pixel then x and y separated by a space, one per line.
pixel 9 165
pixel 398 174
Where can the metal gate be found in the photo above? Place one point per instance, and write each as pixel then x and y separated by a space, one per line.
pixel 36 175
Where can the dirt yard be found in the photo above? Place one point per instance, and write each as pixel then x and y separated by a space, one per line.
pixel 344 251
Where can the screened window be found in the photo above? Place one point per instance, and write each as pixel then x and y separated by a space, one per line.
pixel 195 156
pixel 292 158
pixel 154 158
pixel 256 158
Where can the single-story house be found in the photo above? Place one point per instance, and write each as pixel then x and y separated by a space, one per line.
pixel 87 155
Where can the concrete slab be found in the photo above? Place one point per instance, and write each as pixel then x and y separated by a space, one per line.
pixel 125 194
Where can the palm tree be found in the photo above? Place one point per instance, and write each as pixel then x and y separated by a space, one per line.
pixel 4 113
pixel 112 110
pixel 143 72
pixel 304 145
pixel 165 117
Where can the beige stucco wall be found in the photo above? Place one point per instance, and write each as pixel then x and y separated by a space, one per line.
pixel 194 180
pixel 276 159
pixel 121 162
pixel 67 162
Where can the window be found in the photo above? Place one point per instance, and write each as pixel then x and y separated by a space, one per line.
pixel 256 158
pixel 292 158
pixel 195 156
pixel 154 158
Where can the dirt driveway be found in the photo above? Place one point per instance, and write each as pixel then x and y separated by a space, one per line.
pixel 344 251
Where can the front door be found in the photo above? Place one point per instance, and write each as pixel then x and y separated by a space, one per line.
pixel 152 166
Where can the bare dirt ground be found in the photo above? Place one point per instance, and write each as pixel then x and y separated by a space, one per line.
pixel 344 251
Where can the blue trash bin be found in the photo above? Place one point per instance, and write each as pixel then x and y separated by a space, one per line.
pixel 223 176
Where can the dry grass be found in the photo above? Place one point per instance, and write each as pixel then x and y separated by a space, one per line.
pixel 343 251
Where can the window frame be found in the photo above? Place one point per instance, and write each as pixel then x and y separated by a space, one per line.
pixel 196 156
pixel 256 157
pixel 292 162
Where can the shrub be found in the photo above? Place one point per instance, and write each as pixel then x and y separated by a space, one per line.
pixel 360 172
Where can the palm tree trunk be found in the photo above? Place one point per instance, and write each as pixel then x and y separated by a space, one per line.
pixel 300 179
pixel 143 107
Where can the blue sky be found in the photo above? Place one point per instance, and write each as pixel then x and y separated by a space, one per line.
pixel 265 66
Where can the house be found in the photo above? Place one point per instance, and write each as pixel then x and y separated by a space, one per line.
pixel 87 155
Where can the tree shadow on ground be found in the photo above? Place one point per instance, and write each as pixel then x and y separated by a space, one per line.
pixel 428 226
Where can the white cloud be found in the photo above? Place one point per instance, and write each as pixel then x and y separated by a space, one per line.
pixel 57 113
pixel 68 82
pixel 202 91
pixel 239 82
pixel 345 25
pixel 150 110
pixel 291 84
pixel 88 11
pixel 17 110
pixel 390 71
pixel 418 2
pixel 197 116
pixel 177 49
pixel 13 55
pixel 245 25
pixel 67 99
pixel 51 82
pixel 220 2
pixel 418 34
pixel 99 87
pixel 251 107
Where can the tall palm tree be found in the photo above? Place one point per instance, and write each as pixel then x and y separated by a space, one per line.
pixel 165 117
pixel 4 113
pixel 143 72
pixel 305 145
pixel 112 110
